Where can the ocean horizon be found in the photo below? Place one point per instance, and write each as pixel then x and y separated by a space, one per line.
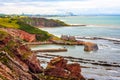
pixel 98 21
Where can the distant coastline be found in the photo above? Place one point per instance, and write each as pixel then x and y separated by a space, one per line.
pixel 77 25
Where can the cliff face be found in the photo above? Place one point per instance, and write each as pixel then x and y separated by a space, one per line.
pixel 42 22
pixel 23 29
pixel 17 62
pixel 21 34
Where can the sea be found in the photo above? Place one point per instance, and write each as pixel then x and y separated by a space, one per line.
pixel 107 28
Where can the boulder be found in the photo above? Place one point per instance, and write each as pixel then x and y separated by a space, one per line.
pixel 58 67
pixel 68 38
pixel 59 62
pixel 89 46
pixel 75 71
pixel 65 37
pixel 72 38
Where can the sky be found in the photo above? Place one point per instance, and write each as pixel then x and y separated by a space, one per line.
pixel 78 7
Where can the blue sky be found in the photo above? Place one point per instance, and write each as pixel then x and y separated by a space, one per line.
pixel 60 6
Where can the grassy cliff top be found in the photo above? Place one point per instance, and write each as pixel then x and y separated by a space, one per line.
pixel 43 22
pixel 17 23
pixel 3 35
pixel 8 23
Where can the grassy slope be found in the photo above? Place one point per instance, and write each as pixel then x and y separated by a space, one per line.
pixel 8 23
pixel 43 22
pixel 18 24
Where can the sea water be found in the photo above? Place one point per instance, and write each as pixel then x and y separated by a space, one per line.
pixel 96 26
pixel 91 20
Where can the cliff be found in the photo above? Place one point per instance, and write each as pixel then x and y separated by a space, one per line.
pixel 42 22
pixel 24 28
pixel 21 34
pixel 18 62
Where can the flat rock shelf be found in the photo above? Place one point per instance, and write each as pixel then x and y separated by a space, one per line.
pixel 51 50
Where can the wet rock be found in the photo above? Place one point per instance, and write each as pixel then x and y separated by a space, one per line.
pixel 57 72
pixel 58 67
pixel 88 46
pixel 91 79
pixel 69 38
pixel 72 38
pixel 75 71
pixel 80 42
pixel 58 62
pixel 65 37
pixel 116 42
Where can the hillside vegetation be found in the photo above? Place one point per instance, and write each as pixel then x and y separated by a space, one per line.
pixel 42 22
pixel 17 23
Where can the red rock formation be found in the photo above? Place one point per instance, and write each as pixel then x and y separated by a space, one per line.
pixel 17 62
pixel 75 71
pixel 29 58
pixel 58 62
pixel 21 34
pixel 57 72
pixel 58 67
pixel 26 36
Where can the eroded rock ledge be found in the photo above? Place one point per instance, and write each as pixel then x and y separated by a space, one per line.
pixel 17 62
pixel 59 67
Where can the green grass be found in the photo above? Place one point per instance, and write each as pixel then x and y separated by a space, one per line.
pixel 17 23
pixel 43 22
pixel 40 34
pixel 8 23
pixel 3 35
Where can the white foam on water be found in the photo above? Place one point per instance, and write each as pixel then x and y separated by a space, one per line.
pixel 103 46
pixel 115 49
pixel 113 71
pixel 102 38
pixel 109 38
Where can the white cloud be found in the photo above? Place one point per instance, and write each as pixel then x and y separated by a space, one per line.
pixel 54 7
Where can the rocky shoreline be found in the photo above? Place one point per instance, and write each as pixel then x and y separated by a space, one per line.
pixel 18 62
pixel 88 46
pixel 86 65
pixel 81 60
